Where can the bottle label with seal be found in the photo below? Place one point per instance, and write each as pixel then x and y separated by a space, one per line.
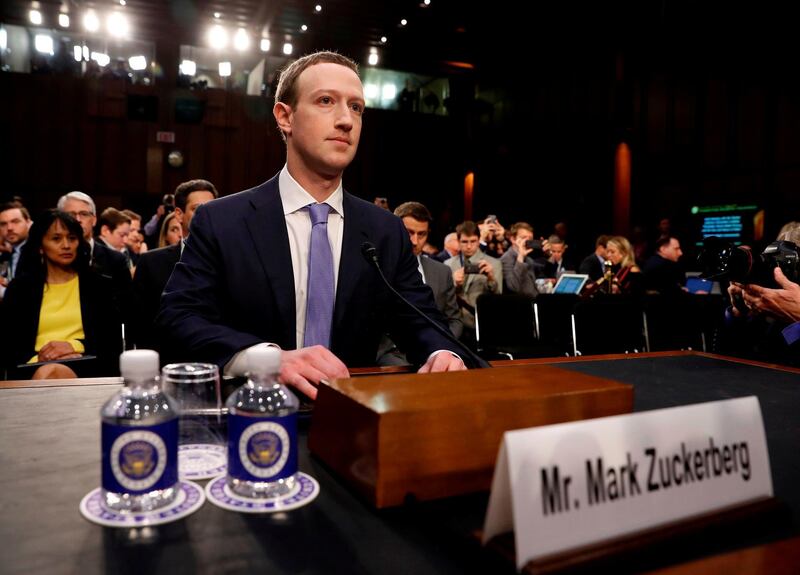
pixel 262 448
pixel 138 460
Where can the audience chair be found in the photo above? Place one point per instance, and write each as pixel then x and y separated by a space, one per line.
pixel 504 328
pixel 611 324
pixel 553 313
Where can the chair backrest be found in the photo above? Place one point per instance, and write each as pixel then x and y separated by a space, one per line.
pixel 686 322
pixel 612 324
pixel 553 319
pixel 504 320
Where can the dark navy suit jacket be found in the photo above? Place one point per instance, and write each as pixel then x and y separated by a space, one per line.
pixel 234 285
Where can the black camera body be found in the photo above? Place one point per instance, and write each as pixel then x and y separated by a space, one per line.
pixel 721 260
pixel 535 245
pixel 471 268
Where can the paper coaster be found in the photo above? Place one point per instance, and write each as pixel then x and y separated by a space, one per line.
pixel 305 491
pixel 202 461
pixel 189 499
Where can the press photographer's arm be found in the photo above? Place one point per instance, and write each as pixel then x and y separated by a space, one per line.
pixel 783 303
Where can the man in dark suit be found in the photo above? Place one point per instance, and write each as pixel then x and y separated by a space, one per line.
pixel 593 265
pixel 281 264
pixel 156 266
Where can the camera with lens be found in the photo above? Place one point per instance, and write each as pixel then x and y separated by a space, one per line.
pixel 470 268
pixel 721 260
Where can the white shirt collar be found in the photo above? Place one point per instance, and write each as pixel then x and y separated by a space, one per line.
pixel 295 198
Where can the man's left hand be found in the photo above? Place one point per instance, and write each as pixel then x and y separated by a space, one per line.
pixel 444 361
pixel 783 303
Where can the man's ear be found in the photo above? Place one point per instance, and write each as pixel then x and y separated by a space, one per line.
pixel 179 215
pixel 283 116
pixel 106 228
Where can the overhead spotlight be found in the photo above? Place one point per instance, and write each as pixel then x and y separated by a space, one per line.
pixel 43 44
pixel 217 15
pixel 91 22
pixel 318 8
pixel 403 22
pixel 101 59
pixel 389 92
pixel 241 41
pixel 137 63
pixel 35 17
pixel 304 28
pixel 224 69
pixel 188 68
pixel 265 44
pixel 373 57
pixel 117 25
pixel 77 53
pixel 63 20
pixel 122 2
pixel 288 48
pixel 426 2
pixel 384 39
pixel 218 37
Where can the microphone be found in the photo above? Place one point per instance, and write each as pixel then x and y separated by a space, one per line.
pixel 371 255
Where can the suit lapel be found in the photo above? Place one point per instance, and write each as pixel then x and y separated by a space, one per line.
pixel 351 263
pixel 267 227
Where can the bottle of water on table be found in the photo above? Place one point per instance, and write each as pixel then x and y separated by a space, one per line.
pixel 262 430
pixel 139 439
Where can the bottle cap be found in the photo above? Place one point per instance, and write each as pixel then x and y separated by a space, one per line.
pixel 263 360
pixel 138 364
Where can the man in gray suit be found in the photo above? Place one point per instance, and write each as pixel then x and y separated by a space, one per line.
pixel 518 267
pixel 417 221
pixel 474 272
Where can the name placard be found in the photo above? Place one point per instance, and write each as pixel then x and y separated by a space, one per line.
pixel 573 484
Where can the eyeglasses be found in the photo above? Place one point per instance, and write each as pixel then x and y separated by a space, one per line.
pixel 82 214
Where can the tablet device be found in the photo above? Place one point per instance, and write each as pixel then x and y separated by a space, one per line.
pixel 571 283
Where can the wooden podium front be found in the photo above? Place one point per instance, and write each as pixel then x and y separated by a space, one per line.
pixel 437 435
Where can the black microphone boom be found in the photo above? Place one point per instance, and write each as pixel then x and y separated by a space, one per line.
pixel 371 255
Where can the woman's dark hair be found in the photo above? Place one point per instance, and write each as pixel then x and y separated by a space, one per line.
pixel 31 261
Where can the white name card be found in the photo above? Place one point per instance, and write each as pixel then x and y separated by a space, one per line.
pixel 573 484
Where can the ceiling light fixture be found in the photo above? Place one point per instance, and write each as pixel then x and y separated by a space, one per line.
pixel 265 44
pixel 288 48
pixel 241 41
pixel 63 20
pixel 318 8
pixel 224 69
pixel 35 17
pixel 403 22
pixel 91 22
pixel 218 37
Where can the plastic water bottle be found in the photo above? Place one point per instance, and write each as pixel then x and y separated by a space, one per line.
pixel 262 430
pixel 139 439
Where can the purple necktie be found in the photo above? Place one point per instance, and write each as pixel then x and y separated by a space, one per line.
pixel 319 303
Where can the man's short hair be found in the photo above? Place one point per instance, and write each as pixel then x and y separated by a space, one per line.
pixel 663 241
pixel 286 91
pixel 132 215
pixel 554 239
pixel 413 210
pixel 468 229
pixel 112 218
pixel 81 197
pixel 790 233
pixel 14 205
pixel 602 241
pixel 183 190
pixel 519 226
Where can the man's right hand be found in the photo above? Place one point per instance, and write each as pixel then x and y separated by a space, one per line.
pixel 304 368
pixel 735 291
pixel 458 277
pixel 522 249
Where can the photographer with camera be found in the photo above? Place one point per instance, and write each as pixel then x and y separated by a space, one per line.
pixel 474 272
pixel 493 237
pixel 764 316
pixel 518 266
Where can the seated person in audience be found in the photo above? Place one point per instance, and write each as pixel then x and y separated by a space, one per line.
pixel 135 244
pixel 417 220
pixel 451 248
pixel 557 262
pixel 627 278
pixel 518 266
pixel 15 224
pixel 156 266
pixel 593 264
pixel 493 237
pixel 474 272
pixel 662 272
pixel 764 323
pixel 170 234
pixel 59 308
pixel 103 259
pixel 115 227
